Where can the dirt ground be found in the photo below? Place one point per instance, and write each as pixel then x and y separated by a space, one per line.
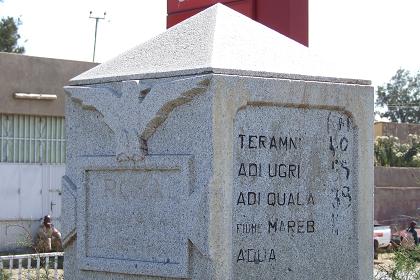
pixel 385 261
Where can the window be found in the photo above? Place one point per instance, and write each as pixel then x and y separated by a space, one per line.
pixel 32 139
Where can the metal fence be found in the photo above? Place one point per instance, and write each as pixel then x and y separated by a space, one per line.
pixel 43 260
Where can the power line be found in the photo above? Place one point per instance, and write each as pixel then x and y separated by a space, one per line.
pixel 404 105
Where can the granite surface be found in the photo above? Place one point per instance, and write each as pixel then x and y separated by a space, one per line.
pixel 219 40
pixel 128 208
pixel 69 198
pixel 188 208
pixel 293 194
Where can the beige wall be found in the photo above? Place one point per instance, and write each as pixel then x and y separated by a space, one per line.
pixel 28 74
pixel 397 195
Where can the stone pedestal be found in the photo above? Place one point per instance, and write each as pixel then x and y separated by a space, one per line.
pixel 218 150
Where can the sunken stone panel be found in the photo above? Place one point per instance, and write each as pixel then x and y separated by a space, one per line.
pixel 293 192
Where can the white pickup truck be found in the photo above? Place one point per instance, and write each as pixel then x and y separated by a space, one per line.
pixel 381 236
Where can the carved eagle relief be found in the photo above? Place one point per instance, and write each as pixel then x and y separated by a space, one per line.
pixel 135 111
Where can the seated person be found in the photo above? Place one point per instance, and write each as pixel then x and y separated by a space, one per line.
pixel 48 237
pixel 412 229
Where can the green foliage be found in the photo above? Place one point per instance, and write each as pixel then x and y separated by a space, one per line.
pixel 26 241
pixel 390 152
pixel 4 275
pixel 405 259
pixel 401 97
pixel 9 35
pixel 404 267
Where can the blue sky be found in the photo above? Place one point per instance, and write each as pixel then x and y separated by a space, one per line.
pixel 372 38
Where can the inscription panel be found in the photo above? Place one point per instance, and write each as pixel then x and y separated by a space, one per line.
pixel 141 209
pixel 294 196
pixel 135 220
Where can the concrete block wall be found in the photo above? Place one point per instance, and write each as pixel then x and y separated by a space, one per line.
pixel 397 195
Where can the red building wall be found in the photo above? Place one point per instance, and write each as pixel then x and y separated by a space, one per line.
pixel 289 17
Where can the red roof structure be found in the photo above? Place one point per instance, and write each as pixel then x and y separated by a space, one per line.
pixel 289 17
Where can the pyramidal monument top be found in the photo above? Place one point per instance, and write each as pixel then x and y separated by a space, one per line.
pixel 218 40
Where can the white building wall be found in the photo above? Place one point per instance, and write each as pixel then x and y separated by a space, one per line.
pixel 27 193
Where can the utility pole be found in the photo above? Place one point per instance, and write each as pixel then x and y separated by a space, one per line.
pixel 96 31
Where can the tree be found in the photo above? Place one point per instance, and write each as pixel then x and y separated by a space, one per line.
pixel 389 151
pixel 9 35
pixel 401 97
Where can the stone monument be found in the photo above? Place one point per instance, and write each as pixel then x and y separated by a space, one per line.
pixel 218 150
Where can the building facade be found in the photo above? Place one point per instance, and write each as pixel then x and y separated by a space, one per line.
pixel 32 142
